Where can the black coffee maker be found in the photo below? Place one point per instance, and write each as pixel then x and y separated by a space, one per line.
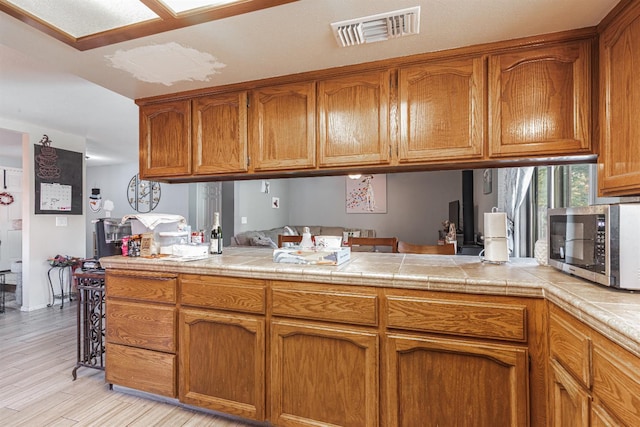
pixel 108 236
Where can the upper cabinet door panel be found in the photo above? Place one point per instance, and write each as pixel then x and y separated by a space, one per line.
pixel 441 109
pixel 540 101
pixel 283 127
pixel 165 139
pixel 220 134
pixel 619 105
pixel 353 115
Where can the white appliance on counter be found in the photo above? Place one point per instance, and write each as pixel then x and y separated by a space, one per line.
pixel 496 246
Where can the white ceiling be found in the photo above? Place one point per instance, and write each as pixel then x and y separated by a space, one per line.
pixel 49 83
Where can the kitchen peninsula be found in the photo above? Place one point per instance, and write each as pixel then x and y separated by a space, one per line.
pixel 384 339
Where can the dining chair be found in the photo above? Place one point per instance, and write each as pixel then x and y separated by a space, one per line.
pixel 282 238
pixel 375 242
pixel 410 248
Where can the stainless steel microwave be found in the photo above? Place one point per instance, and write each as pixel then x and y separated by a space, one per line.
pixel 599 243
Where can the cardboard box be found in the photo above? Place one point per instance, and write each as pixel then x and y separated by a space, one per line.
pixel 320 256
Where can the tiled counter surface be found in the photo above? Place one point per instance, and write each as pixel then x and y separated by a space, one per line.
pixel 615 314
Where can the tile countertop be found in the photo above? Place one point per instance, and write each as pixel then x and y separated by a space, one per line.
pixel 614 313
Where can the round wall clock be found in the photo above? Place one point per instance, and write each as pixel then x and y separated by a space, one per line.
pixel 143 195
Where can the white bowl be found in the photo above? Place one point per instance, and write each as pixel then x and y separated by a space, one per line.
pixel 329 242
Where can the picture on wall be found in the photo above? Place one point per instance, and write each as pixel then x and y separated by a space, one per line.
pixel 366 194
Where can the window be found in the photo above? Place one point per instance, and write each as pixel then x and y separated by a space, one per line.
pixel 554 187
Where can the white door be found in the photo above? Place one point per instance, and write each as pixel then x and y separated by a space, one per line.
pixel 10 216
pixel 208 201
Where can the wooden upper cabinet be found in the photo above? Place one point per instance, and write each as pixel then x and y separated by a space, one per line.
pixel 540 101
pixel 220 134
pixel 353 120
pixel 283 127
pixel 441 110
pixel 165 139
pixel 619 161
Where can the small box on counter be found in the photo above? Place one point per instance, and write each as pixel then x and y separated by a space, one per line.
pixel 322 256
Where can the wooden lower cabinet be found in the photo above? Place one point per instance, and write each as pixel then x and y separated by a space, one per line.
pixel 222 362
pixel 601 418
pixel 141 331
pixel 570 400
pixel 434 381
pixel 141 369
pixel 616 382
pixel 323 375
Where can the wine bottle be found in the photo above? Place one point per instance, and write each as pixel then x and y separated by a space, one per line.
pixel 215 243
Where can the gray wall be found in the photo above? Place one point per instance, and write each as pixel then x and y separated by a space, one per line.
pixel 11 162
pixel 417 203
pixel 113 181
pixel 254 205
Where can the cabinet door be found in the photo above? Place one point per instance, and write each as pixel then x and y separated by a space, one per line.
pixel 619 161
pixel 353 116
pixel 601 418
pixel 569 344
pixel 165 140
pixel 220 134
pixel 569 400
pixel 222 362
pixel 322 375
pixel 283 127
pixel 540 101
pixel 441 108
pixel 150 326
pixel 616 382
pixel 435 381
pixel 140 369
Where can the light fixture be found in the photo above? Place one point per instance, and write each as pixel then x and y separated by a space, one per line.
pixel 88 24
pixel 355 176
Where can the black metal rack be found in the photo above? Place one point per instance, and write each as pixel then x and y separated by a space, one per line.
pixel 91 320
pixel 2 288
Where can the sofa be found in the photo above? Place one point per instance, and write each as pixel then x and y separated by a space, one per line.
pixel 269 238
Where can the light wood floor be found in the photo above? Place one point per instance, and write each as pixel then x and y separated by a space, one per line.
pixel 37 355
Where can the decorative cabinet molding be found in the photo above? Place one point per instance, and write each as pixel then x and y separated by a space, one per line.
pixel 220 134
pixel 540 101
pixel 619 161
pixel 282 122
pixel 442 110
pixel 353 120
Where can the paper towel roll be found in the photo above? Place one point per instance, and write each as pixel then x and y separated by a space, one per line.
pixel 495 224
pixel 496 247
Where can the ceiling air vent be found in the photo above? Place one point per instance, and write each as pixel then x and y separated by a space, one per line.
pixel 377 28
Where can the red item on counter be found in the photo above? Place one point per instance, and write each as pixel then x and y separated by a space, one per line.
pixel 125 246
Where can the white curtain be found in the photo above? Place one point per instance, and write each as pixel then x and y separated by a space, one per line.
pixel 515 184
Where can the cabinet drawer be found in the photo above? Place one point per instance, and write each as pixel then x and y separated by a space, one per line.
pixel 465 318
pixel 225 293
pixel 144 370
pixel 141 325
pixel 571 346
pixel 331 305
pixel 145 286
pixel 616 382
